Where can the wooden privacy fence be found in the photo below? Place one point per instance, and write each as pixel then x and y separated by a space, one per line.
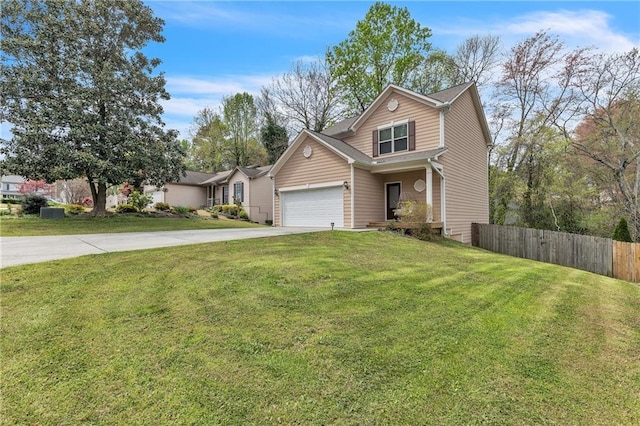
pixel 594 254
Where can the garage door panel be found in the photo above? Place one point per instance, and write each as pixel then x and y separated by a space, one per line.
pixel 313 207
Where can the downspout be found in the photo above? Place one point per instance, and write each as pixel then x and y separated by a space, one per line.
pixel 273 202
pixel 353 200
pixel 429 192
pixel 443 201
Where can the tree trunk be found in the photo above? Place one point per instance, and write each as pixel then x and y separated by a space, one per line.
pixel 99 196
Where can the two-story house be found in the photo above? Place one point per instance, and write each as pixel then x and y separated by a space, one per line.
pixel 404 146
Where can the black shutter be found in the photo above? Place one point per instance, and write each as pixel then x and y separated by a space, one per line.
pixel 375 143
pixel 412 136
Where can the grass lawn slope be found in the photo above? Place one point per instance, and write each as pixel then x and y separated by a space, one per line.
pixel 11 226
pixel 323 328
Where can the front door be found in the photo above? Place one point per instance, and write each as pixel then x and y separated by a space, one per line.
pixel 393 196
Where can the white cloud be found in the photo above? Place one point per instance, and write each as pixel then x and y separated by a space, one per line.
pixel 577 28
pixel 190 95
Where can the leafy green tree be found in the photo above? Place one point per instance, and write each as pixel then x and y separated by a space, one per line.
pixel 208 141
pixel 241 121
pixel 82 98
pixel 387 46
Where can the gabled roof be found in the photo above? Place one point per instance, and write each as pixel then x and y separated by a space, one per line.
pixel 342 149
pixel 340 127
pixel 254 171
pixel 451 94
pixel 438 100
pixel 217 178
pixel 193 178
pixel 351 154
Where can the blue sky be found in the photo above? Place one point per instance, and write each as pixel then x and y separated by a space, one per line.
pixel 215 49
pixel 219 48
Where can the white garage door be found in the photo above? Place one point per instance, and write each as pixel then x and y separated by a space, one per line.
pixel 313 207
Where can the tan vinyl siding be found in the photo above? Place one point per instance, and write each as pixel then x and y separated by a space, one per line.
pixel 465 169
pixel 260 200
pixel 321 167
pixel 437 197
pixel 185 195
pixel 407 180
pixel 369 198
pixel 427 124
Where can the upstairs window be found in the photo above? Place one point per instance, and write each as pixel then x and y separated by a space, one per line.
pixel 394 138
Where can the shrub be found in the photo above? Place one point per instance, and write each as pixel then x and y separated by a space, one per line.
pixel 244 215
pixel 621 232
pixel 268 222
pixel 414 211
pixel 162 207
pixel 214 215
pixel 125 208
pixel 32 203
pixel 230 209
pixel 140 201
pixel 181 209
pixel 74 209
pixel 192 209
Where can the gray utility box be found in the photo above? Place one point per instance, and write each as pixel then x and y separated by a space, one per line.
pixel 51 213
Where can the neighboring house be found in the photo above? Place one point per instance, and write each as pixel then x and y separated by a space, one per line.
pixel 249 186
pixel 11 186
pixel 404 146
pixel 187 191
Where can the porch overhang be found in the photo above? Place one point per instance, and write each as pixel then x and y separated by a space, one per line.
pixel 406 162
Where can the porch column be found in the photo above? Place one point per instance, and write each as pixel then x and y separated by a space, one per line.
pixel 429 181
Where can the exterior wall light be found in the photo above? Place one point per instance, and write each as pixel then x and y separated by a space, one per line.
pixel 346 185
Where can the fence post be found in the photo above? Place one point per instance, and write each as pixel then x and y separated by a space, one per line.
pixel 475 234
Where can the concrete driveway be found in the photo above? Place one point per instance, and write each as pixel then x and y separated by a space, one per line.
pixel 24 250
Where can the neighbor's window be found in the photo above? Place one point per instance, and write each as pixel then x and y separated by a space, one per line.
pixel 238 192
pixel 393 139
pixel 225 194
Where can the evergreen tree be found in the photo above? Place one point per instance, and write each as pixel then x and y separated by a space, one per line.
pixel 82 98
pixel 621 233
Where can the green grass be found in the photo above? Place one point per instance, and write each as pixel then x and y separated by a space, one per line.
pixel 324 328
pixel 13 226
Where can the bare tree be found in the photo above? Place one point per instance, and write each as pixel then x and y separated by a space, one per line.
pixel 475 59
pixel 609 89
pixel 74 191
pixel 306 96
pixel 535 90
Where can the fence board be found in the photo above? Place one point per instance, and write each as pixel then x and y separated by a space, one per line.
pixel 593 254
pixel 626 261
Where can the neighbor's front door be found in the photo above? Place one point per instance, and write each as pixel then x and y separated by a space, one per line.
pixel 393 196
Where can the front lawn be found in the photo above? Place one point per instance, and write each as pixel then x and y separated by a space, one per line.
pixel 14 226
pixel 323 328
